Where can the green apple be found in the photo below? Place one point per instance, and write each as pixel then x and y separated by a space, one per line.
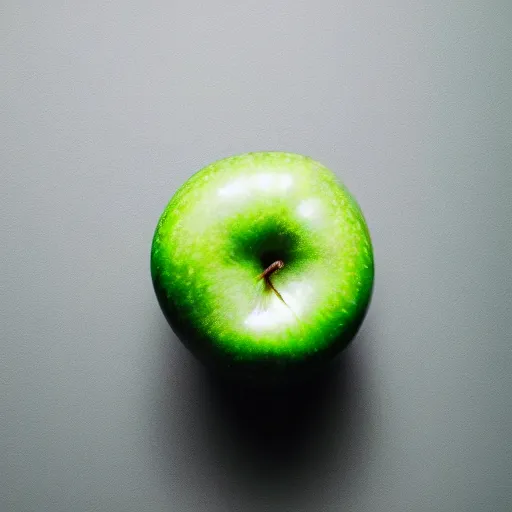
pixel 263 265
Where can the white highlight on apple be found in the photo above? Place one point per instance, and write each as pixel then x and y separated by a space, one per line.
pixel 262 181
pixel 262 319
pixel 310 209
pixel 296 295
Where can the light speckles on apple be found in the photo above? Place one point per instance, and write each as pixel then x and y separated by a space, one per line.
pixel 216 235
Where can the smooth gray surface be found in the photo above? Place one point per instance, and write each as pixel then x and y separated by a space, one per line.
pixel 107 107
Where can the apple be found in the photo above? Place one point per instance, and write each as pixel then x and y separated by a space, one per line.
pixel 263 265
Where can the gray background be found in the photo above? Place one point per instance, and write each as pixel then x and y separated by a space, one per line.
pixel 107 107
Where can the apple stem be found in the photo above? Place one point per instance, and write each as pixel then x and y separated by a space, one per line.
pixel 266 276
pixel 271 269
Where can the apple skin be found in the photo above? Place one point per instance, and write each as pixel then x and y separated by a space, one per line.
pixel 231 221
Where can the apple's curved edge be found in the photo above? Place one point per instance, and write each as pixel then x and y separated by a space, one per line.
pixel 266 371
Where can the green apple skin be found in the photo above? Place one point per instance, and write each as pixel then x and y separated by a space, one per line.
pixel 225 226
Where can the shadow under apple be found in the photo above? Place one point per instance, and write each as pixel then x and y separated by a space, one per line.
pixel 275 432
pixel 223 435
